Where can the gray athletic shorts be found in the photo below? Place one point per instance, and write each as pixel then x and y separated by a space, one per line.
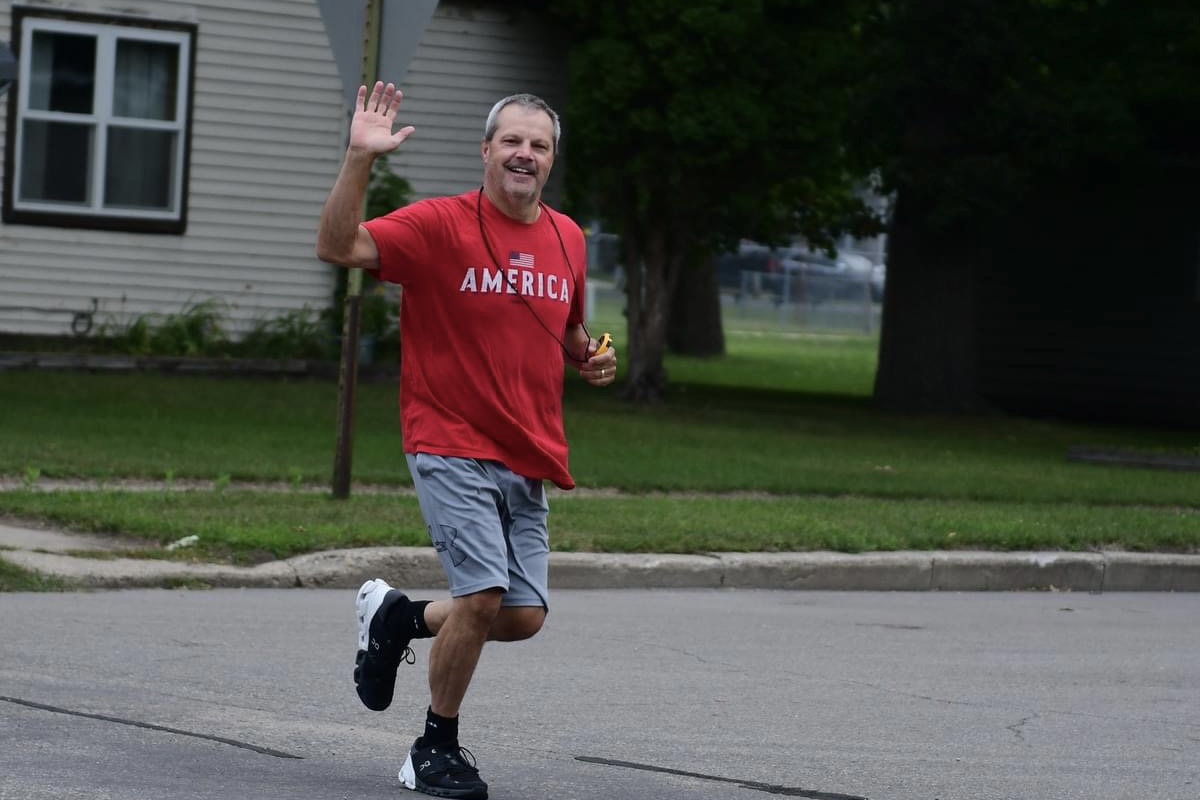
pixel 488 525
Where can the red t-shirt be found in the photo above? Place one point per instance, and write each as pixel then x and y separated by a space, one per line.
pixel 482 360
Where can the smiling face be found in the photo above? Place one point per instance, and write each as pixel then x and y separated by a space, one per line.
pixel 517 160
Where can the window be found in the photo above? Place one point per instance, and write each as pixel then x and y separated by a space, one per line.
pixel 99 123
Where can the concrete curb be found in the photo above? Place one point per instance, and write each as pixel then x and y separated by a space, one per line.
pixel 826 571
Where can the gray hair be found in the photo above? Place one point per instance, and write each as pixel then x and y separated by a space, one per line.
pixel 524 101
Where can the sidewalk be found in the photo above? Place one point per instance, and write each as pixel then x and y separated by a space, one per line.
pixel 92 562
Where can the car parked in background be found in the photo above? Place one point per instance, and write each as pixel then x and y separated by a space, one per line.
pixel 799 274
pixel 815 277
pixel 749 257
pixel 874 274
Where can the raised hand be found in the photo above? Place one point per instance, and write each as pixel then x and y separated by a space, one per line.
pixel 374 118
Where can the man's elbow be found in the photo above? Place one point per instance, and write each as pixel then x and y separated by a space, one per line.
pixel 339 255
pixel 330 255
pixel 357 253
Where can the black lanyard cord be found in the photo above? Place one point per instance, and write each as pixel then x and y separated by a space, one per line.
pixel 570 269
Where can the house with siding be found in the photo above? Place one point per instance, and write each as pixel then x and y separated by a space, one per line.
pixel 159 154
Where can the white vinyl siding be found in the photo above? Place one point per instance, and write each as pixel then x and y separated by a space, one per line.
pixel 268 130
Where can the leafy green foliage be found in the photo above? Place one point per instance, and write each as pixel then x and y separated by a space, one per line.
pixel 976 105
pixel 295 334
pixel 700 122
pixel 380 313
pixel 386 191
pixel 197 330
pixel 711 119
pixel 200 330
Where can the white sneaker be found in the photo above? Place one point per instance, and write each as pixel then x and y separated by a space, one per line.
pixel 380 650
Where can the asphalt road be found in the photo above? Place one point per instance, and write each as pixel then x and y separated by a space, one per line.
pixel 698 694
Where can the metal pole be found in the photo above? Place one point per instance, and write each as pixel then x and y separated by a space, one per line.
pixel 348 368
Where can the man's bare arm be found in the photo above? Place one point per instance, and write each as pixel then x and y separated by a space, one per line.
pixel 341 238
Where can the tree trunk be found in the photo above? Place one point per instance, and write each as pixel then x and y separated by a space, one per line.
pixel 694 327
pixel 647 292
pixel 927 348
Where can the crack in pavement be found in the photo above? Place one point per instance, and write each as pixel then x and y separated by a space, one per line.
pixel 787 791
pixel 150 727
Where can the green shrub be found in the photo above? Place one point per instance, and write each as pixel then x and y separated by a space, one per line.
pixel 196 330
pixel 293 334
pixel 200 330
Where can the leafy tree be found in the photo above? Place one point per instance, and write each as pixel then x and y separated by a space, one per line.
pixel 693 123
pixel 987 118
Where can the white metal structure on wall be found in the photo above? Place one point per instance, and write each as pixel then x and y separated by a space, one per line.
pixel 266 123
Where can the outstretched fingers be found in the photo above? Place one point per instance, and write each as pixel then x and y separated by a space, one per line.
pixel 385 98
pixel 374 118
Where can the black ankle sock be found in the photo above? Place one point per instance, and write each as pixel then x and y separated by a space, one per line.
pixel 409 619
pixel 439 730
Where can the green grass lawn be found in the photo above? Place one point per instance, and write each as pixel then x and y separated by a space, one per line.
pixel 774 447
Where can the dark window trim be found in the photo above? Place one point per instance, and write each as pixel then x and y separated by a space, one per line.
pixel 66 219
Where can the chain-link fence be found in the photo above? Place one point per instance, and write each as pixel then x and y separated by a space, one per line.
pixel 812 294
pixel 805 302
pixel 762 309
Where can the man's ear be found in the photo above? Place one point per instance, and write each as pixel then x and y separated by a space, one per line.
pixel 483 150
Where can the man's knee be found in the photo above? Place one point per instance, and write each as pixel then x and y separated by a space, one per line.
pixel 479 610
pixel 516 623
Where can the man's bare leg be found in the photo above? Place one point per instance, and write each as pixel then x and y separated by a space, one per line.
pixel 461 627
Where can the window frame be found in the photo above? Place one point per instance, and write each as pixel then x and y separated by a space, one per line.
pixel 107 29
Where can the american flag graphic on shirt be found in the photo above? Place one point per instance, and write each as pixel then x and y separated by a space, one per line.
pixel 521 260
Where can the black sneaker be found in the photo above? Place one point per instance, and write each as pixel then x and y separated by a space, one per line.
pixel 443 771
pixel 380 651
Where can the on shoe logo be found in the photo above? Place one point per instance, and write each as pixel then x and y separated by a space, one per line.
pixel 374 643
